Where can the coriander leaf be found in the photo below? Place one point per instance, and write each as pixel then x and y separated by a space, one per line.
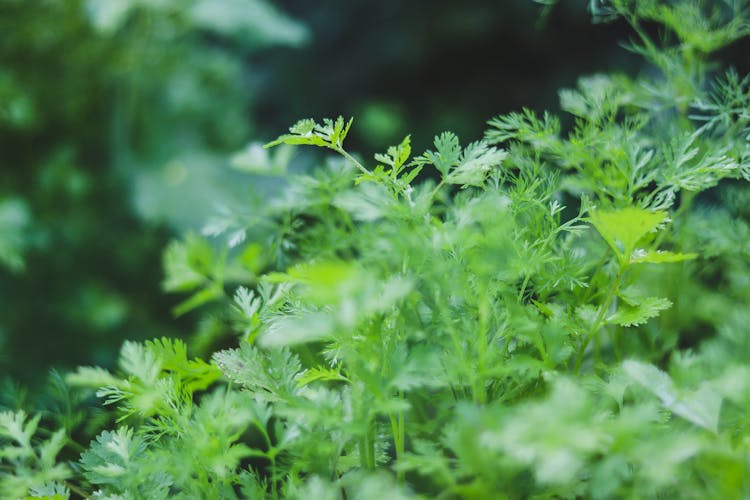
pixel 659 257
pixel 622 229
pixel 447 155
pixel 700 407
pixel 639 313
pixel 475 164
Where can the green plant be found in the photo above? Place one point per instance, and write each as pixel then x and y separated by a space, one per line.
pixel 549 312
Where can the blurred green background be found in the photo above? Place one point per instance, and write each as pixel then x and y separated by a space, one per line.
pixel 118 119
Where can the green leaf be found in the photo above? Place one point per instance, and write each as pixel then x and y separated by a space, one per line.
pixel 90 376
pixel 320 373
pixel 296 140
pixel 28 462
pixel 597 97
pixel 187 264
pixel 554 434
pixel 639 313
pixel 194 374
pixel 198 299
pixel 326 281
pixel 330 134
pixel 421 367
pixel 659 257
pixel 291 330
pixel 109 457
pixel 700 407
pixel 49 449
pixel 396 155
pixel 693 167
pixel 475 163
pixel 192 265
pixel 525 127
pixel 268 374
pixel 140 362
pixel 467 168
pixel 303 127
pixel 447 155
pixel 15 427
pixel 622 229
pixel 49 491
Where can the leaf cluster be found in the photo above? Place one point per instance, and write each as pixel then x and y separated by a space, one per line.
pixel 552 313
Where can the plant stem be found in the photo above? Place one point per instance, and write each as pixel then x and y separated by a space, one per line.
pixel 599 318
pixel 371 448
pixel 349 157
pixel 437 188
pixel 367 450
pixel 399 438
pixel 362 445
pixel 75 489
pixel 478 389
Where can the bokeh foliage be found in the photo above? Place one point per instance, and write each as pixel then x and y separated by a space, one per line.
pixel 107 111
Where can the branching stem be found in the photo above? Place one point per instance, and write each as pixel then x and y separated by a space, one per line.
pixel 593 331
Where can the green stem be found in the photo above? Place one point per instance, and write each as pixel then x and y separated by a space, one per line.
pixel 522 292
pixel 402 434
pixel 75 445
pixel 271 455
pixel 349 157
pixel 75 489
pixel 478 389
pixel 599 318
pixel 399 438
pixel 362 445
pixel 437 188
pixel 595 274
pixel 371 448
pixel 367 449
pixel 274 473
pixel 460 354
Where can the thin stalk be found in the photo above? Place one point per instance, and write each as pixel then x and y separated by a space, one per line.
pixel 522 292
pixel 402 435
pixel 617 344
pixel 366 444
pixel 274 473
pixel 599 319
pixel 271 455
pixel 349 157
pixel 371 448
pixel 75 445
pixel 399 438
pixel 437 188
pixel 478 390
pixel 597 269
pixel 75 489
pixel 362 446
pixel 367 449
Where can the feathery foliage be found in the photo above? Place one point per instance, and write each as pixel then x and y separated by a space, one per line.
pixel 547 312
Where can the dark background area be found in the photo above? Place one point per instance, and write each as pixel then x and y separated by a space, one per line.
pixel 431 67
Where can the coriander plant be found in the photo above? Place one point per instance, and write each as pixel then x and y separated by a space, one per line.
pixel 556 310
